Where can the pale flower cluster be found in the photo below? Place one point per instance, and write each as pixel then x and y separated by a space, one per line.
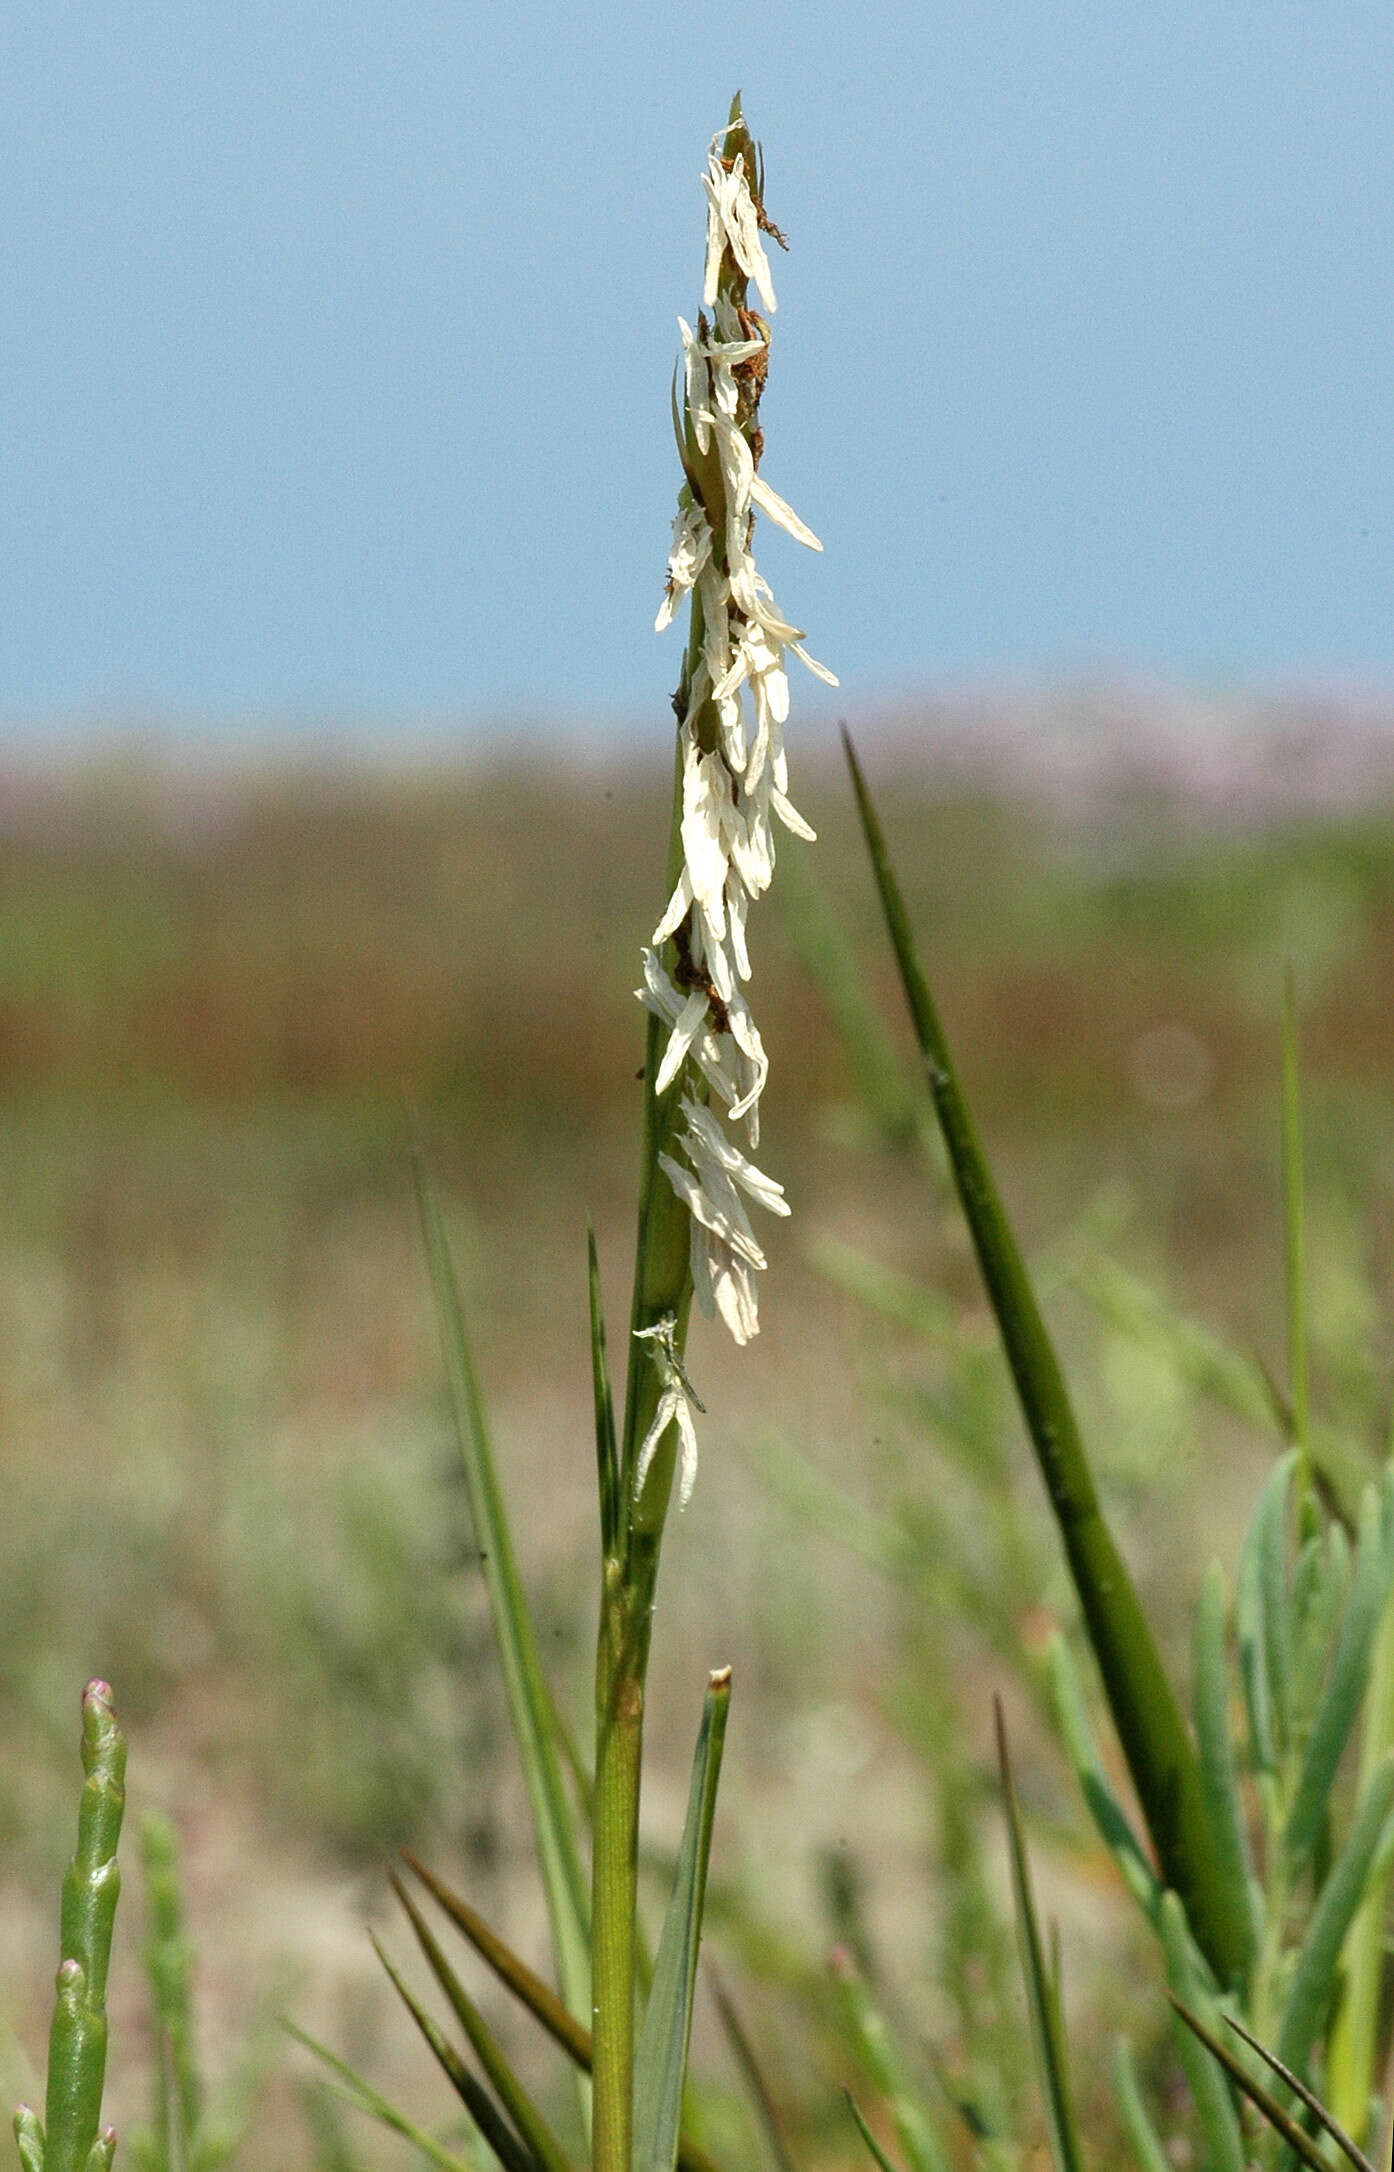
pixel 732 792
pixel 675 1407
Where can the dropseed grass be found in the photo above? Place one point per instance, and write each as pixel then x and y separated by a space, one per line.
pixel 1254 1832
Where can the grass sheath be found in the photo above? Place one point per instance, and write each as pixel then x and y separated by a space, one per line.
pixel 1155 1742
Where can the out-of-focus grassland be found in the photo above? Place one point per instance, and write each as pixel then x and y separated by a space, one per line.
pixel 229 1484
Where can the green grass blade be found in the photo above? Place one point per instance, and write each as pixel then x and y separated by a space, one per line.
pixel 1043 2005
pixel 360 2092
pixel 1146 1714
pixel 1273 1523
pixel 538 1997
pixel 660 2059
pixel 1210 2092
pixel 1314 1979
pixel 510 2150
pixel 529 1703
pixel 1146 2144
pixel 1321 1591
pixel 1257 1641
pixel 1110 1819
pixel 536 2135
pixel 1278 2116
pixel 1351 2050
pixel 1215 1746
pixel 1313 2103
pixel 924 2152
pixel 1344 1688
pixel 1294 1215
pixel 607 1455
pixel 528 1988
pixel 878 2155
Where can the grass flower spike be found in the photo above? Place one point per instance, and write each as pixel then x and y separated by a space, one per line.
pixel 732 705
pixel 675 1407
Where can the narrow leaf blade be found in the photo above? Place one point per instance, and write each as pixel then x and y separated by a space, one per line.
pixel 1313 2103
pixel 498 2070
pixel 1047 2033
pixel 1147 2145
pixel 1109 1817
pixel 528 1701
pixel 1209 2089
pixel 505 2144
pixel 1277 2115
pixel 607 1455
pixel 660 2061
pixel 879 2157
pixel 528 1988
pixel 1345 1683
pixel 1250 1617
pixel 1148 1718
pixel 1351 2052
pixel 1215 1747
pixel 918 2138
pixel 1314 1978
pixel 362 2093
pixel 538 1997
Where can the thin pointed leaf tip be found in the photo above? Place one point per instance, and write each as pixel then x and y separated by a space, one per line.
pixel 732 705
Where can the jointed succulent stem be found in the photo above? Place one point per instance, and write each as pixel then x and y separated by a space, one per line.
pixel 70 2141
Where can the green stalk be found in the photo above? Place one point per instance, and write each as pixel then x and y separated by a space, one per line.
pixel 662 1289
pixel 621 1663
pixel 69 2140
pixel 662 1286
pixel 1153 1734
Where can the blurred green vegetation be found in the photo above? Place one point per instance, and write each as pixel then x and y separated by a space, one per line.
pixel 230 1487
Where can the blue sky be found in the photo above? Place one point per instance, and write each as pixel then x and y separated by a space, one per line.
pixel 338 340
